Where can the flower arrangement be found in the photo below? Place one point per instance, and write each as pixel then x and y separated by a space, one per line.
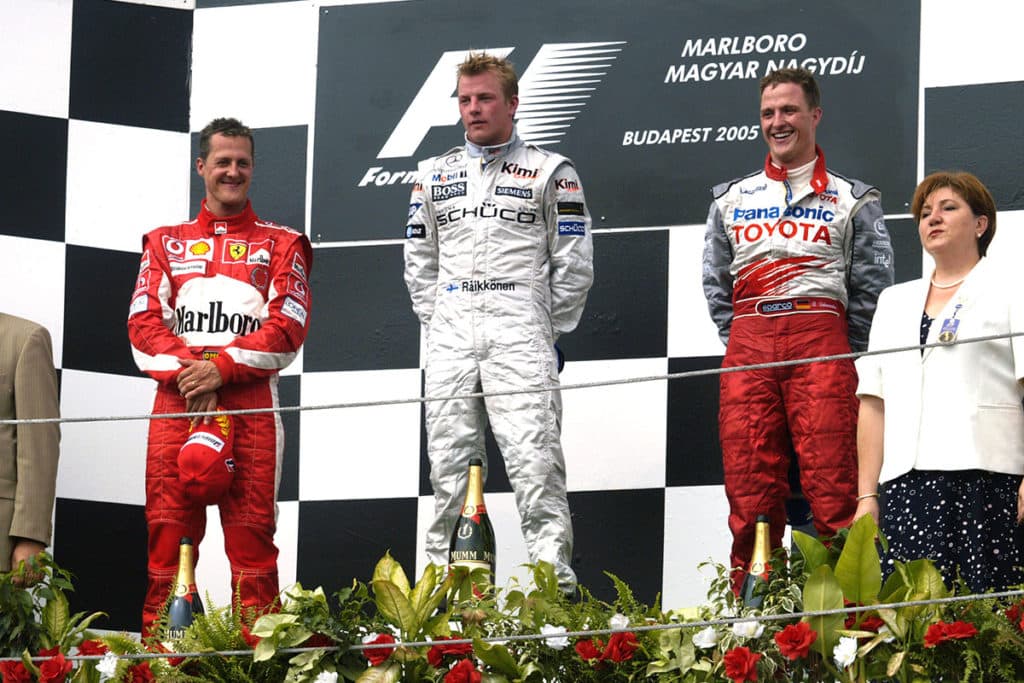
pixel 825 614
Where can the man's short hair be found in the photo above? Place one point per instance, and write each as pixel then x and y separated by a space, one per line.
pixel 225 126
pixel 970 189
pixel 481 62
pixel 800 76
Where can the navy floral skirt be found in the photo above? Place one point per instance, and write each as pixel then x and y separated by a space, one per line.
pixel 964 520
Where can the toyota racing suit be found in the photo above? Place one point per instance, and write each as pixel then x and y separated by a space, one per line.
pixel 235 291
pixel 498 262
pixel 793 265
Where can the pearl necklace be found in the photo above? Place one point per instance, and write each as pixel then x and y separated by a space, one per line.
pixel 947 286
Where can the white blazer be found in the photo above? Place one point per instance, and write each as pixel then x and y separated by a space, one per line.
pixel 956 407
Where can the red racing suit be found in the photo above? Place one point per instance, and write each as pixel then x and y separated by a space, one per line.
pixel 793 265
pixel 235 291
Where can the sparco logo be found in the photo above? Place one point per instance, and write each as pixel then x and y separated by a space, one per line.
pixel 775 308
pixel 551 83
pixel 213 320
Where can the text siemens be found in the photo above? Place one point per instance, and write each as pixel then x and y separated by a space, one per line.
pixel 214 321
pixel 487 211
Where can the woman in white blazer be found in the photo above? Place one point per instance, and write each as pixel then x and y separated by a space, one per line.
pixel 940 438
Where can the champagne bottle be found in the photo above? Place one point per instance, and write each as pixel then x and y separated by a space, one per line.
pixel 472 545
pixel 757 572
pixel 184 599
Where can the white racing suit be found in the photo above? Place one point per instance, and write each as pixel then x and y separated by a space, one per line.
pixel 498 262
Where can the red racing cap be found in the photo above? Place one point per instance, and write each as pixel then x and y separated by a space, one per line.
pixel 206 465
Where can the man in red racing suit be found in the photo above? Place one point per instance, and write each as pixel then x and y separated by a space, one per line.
pixel 221 305
pixel 794 259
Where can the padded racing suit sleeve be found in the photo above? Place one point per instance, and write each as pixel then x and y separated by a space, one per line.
pixel 870 267
pixel 571 247
pixel 421 252
pixel 717 278
pixel 155 347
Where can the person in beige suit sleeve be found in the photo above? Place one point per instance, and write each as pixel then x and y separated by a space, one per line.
pixel 28 452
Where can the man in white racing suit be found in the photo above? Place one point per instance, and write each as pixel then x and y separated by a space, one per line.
pixel 498 262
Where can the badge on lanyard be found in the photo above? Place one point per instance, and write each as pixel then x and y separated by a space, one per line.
pixel 947 335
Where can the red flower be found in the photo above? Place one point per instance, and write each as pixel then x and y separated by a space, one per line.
pixel 54 670
pixel 741 664
pixel 378 655
pixel 872 623
pixel 621 647
pixel 941 631
pixel 795 640
pixel 1016 615
pixel 14 672
pixel 589 649
pixel 91 647
pixel 140 673
pixel 50 652
pixel 318 640
pixel 437 652
pixel 463 672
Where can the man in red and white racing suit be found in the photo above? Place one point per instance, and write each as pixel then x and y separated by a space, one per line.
pixel 221 305
pixel 794 259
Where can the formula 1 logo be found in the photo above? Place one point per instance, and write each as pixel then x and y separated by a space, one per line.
pixel 553 89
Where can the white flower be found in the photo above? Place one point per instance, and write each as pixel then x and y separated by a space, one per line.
pixel 555 642
pixel 883 629
pixel 845 652
pixel 327 677
pixel 107 666
pixel 706 638
pixel 618 622
pixel 748 629
pixel 369 638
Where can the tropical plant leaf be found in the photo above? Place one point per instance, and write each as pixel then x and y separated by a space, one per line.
pixel 496 656
pixel 395 606
pixel 388 672
pixel 858 570
pixel 822 592
pixel 814 551
pixel 388 569
pixel 55 616
pixel 424 588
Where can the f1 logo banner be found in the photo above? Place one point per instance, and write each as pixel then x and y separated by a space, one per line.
pixel 654 103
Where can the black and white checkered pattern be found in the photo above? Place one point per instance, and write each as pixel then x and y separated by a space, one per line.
pixel 100 102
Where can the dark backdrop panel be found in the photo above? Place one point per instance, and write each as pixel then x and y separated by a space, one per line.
pixel 684 86
pixel 343 539
pixel 693 456
pixel 95 328
pixel 622 532
pixel 627 309
pixel 977 128
pixel 104 545
pixel 131 64
pixel 34 146
pixel 362 317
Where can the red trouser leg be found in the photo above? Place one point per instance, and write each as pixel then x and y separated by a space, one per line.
pixel 755 452
pixel 169 516
pixel 821 404
pixel 248 513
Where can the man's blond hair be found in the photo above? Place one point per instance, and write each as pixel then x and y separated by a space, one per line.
pixel 480 62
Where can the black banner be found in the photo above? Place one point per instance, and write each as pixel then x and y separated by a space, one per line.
pixel 655 102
